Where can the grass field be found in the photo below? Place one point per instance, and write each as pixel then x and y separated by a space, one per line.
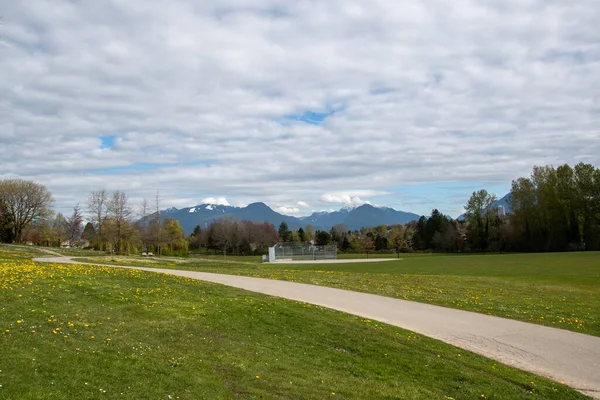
pixel 72 331
pixel 555 289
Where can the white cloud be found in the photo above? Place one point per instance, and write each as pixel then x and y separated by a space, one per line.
pixel 219 201
pixel 201 90
pixel 302 204
pixel 345 199
pixel 287 210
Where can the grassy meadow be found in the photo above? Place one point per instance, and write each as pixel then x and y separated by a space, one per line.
pixel 556 289
pixel 76 331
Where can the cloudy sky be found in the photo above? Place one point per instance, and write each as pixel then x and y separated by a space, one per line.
pixel 305 105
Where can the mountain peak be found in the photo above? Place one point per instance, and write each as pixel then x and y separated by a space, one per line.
pixel 354 217
pixel 258 205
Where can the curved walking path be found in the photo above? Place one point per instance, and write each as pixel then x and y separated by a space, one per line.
pixel 561 355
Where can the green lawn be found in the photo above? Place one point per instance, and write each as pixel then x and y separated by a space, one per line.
pixel 556 289
pixel 72 331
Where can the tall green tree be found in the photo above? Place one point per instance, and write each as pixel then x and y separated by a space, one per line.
pixel 420 236
pixel 195 238
pixel 284 232
pixel 556 209
pixel 480 217
pixel 301 235
pixel 322 238
pixel 89 232
pixel 6 224
pixel 175 243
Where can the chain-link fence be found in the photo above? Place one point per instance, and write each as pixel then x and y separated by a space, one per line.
pixel 302 251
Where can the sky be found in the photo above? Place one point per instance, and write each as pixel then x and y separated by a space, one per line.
pixel 304 105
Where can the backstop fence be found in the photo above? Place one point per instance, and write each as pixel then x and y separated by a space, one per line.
pixel 301 252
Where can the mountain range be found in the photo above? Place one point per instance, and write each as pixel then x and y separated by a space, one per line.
pixel 354 218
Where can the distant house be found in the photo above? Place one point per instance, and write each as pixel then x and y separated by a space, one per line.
pixel 79 243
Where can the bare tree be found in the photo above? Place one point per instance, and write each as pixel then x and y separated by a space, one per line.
pixel 25 202
pixel 157 223
pixel 120 214
pixel 59 226
pixel 73 225
pixel 98 208
pixel 143 224
pixel 222 232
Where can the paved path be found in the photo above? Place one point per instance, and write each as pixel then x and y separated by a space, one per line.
pixel 558 354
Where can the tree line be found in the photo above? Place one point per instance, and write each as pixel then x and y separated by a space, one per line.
pixel 26 215
pixel 554 209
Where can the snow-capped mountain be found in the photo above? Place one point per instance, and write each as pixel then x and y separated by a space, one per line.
pixel 354 218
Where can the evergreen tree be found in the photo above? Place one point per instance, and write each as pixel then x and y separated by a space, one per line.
pixel 301 235
pixel 6 224
pixel 89 232
pixel 284 232
pixel 322 238
pixel 345 244
pixel 73 225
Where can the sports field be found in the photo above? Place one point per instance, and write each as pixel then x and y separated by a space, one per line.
pixel 71 331
pixel 556 289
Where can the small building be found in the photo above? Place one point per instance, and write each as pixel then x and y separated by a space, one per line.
pixel 501 211
pixel 301 252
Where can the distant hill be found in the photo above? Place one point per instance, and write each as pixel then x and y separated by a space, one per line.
pixel 504 201
pixel 354 218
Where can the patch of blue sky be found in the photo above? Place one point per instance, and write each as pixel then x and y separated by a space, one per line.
pixel 144 167
pixel 310 117
pixel 448 197
pixel 196 163
pixel 107 142
pixel 314 117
